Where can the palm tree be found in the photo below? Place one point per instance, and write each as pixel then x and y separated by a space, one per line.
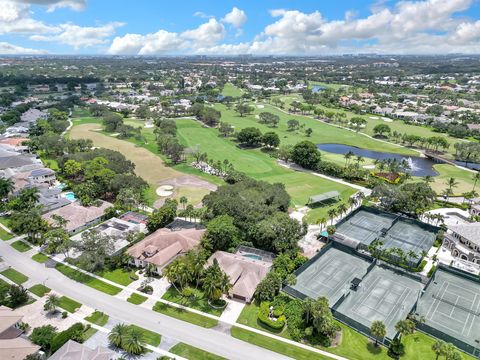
pixel 351 202
pixel 451 183
pixel 405 327
pixel 215 281
pixel 331 214
pixel 438 348
pixel 183 201
pixel 428 179
pixel 342 208
pixel 6 187
pixel 378 330
pixel 359 159
pixel 117 335
pixel 308 307
pixel 133 342
pixel 51 304
pixel 475 178
pixel 347 157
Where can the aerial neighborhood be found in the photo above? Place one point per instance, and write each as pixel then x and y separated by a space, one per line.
pixel 246 205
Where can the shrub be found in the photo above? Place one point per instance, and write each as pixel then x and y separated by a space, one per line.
pixel 188 292
pixel 133 276
pixel 146 289
pixel 263 317
pixel 43 336
pixel 396 349
pixel 74 332
pixel 431 271
pixel 64 315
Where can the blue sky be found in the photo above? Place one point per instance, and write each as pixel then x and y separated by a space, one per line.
pixel 148 27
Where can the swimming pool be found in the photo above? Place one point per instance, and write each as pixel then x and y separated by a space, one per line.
pixel 70 196
pixel 253 256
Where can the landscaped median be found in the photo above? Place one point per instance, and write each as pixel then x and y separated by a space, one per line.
pixel 4 235
pixel 19 245
pixel 87 280
pixel 97 317
pixel 68 304
pixel 39 290
pixel 137 299
pixel 185 315
pixel 15 276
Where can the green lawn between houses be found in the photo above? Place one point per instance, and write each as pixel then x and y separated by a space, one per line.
pixel 185 315
pixel 87 280
pixel 199 302
pixel 191 352
pixel 98 318
pixel 136 299
pixel 15 276
pixel 19 245
pixel 39 290
pixel 40 258
pixel 119 276
pixel 69 304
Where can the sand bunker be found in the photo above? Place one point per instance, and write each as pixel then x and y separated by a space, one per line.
pixel 164 190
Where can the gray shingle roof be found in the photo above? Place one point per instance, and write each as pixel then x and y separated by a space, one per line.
pixel 471 232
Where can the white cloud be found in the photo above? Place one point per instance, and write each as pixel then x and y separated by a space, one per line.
pixel 77 5
pixel 10 49
pixel 236 17
pixel 79 36
pixel 204 36
pixel 15 18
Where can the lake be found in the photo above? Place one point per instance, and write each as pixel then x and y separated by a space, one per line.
pixel 419 166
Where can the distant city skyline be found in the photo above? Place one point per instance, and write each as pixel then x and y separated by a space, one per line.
pixel 271 27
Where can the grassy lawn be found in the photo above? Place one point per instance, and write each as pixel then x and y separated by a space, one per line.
pixel 257 164
pixel 275 345
pixel 190 352
pixel 198 303
pixel 20 246
pixel 89 333
pixel 463 177
pixel 148 164
pixel 5 235
pixel 69 304
pixel 119 276
pixel 40 258
pixel 150 337
pixel 39 290
pixel 231 90
pixel 137 299
pixel 418 346
pixel 98 318
pixel 15 276
pixel 87 280
pixel 5 220
pixel 184 315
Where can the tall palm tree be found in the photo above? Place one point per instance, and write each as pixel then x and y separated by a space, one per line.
pixel 117 335
pixel 52 302
pixel 428 179
pixel 438 348
pixel 331 214
pixel 342 208
pixel 183 201
pixel 451 183
pixel 351 202
pixel 378 330
pixel 475 178
pixel 134 341
pixel 347 157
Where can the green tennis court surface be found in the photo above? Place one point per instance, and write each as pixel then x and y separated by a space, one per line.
pixel 330 275
pixel 451 304
pixel 383 295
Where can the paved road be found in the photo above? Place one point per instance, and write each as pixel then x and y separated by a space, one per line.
pixel 208 339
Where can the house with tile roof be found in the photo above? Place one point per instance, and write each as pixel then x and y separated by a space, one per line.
pixel 464 241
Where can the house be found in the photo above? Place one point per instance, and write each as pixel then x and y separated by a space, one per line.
pixel 32 115
pixel 72 350
pixel 13 345
pixel 245 273
pixel 164 245
pixel 118 230
pixel 464 241
pixel 79 217
pixel 43 176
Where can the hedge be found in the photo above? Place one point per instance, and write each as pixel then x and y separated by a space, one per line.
pixel 263 317
pixel 431 271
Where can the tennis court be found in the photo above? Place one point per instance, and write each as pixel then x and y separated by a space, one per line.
pixel 383 295
pixel 451 305
pixel 330 275
pixel 407 235
pixel 365 226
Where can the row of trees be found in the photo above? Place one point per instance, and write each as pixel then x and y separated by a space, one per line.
pixel 167 142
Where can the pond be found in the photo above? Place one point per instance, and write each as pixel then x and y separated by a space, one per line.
pixel 418 166
pixel 318 88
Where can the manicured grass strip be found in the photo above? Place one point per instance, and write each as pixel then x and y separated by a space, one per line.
pixel 5 235
pixel 14 275
pixel 98 318
pixel 87 280
pixel 184 315
pixel 275 345
pixel 69 304
pixel 136 299
pixel 89 333
pixel 40 258
pixel 39 290
pixel 150 337
pixel 20 246
pixel 190 352
pixel 119 276
pixel 200 301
